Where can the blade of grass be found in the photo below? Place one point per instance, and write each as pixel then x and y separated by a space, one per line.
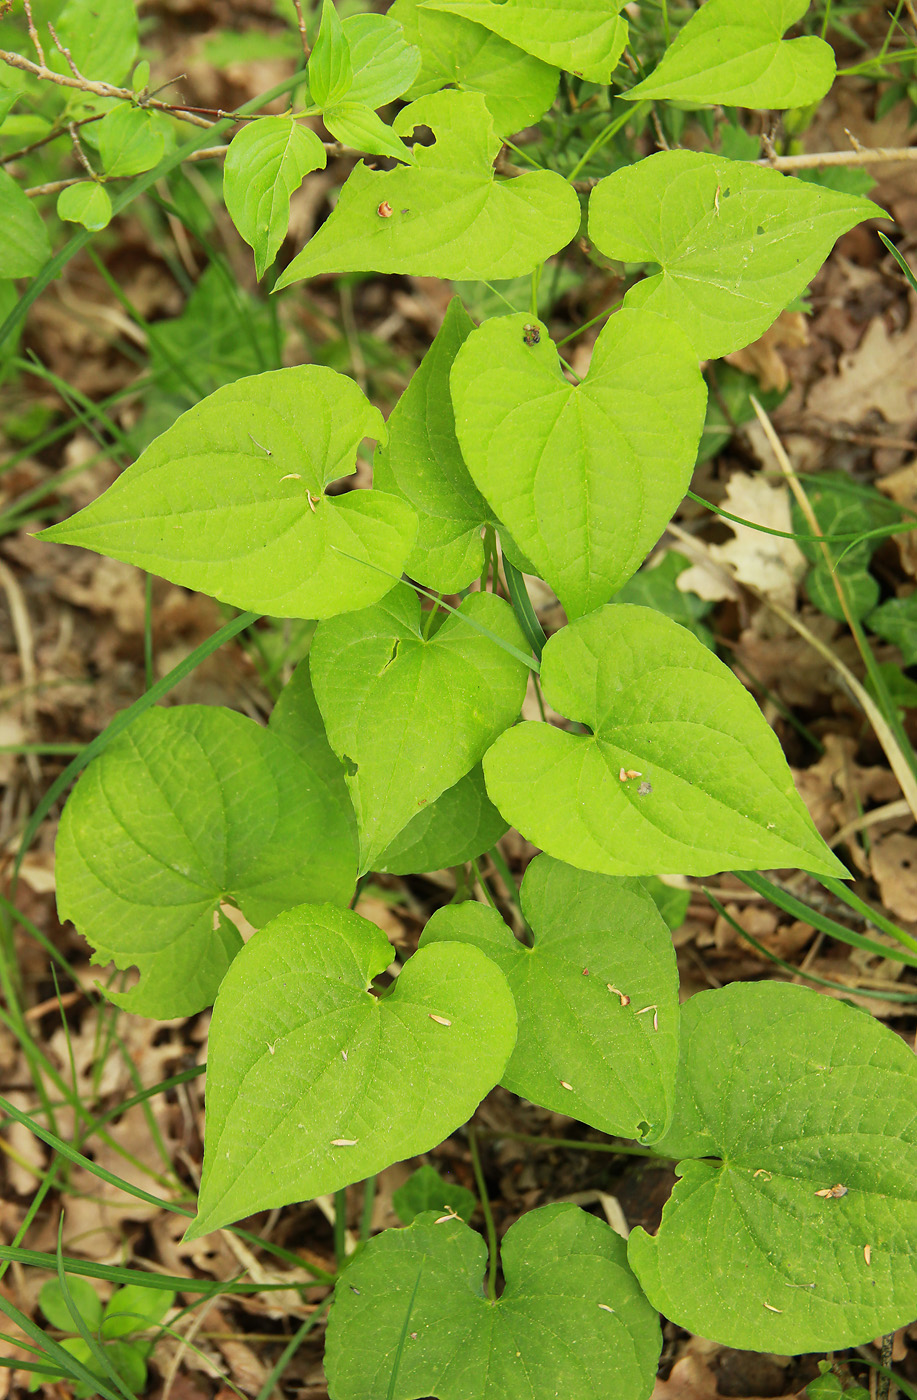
pixel 873 916
pixel 290 1350
pixel 800 972
pixel 526 616
pixel 900 260
pixel 67 1365
pixel 798 910
pixel 99 1353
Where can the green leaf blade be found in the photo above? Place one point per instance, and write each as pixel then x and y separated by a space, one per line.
pixel 266 163
pixel 596 996
pixel 25 243
pixel 570 1321
pixel 797 1093
pixel 384 691
pixel 735 242
pixel 384 62
pixel 230 500
pixel 421 461
pixel 189 808
pixel 313 1083
pixel 517 87
pixel 87 203
pixel 130 141
pixel 330 65
pixel 566 466
pixel 358 126
pixel 449 217
pixel 587 37
pixel 730 54
pixel 710 777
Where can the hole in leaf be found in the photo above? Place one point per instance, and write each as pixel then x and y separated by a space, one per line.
pixel 350 768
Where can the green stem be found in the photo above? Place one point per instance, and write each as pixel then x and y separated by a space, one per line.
pixel 340 1226
pixel 606 134
pixel 492 1247
pixel 572 1144
pixel 665 22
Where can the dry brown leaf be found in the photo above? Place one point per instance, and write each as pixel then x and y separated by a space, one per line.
pixel 879 376
pixel 762 358
pixel 691 1379
pixel 901 486
pixel 766 562
pixel 894 865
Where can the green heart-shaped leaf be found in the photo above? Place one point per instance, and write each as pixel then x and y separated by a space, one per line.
pixel 313 1082
pixel 189 808
pixel 410 1317
pixel 680 773
pixel 735 243
pixel 446 216
pixel 797 1094
pixel 585 476
pixel 586 37
pixel 426 1190
pixel 458 826
pixel 384 59
pixel 266 162
pixel 231 500
pixel 517 87
pixel 421 461
pixel 734 53
pixel 409 716
pixel 596 996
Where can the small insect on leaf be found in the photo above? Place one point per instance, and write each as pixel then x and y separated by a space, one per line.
pixel 450 1215
pixel 605 1307
pixel 625 773
pixel 832 1193
pixel 440 1020
pixel 867 1254
pixel 772 1309
pixel 343 1142
pixel 531 334
pixel 384 210
pixel 625 999
pixel 761 1172
pixel 565 1085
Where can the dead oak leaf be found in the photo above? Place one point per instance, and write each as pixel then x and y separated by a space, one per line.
pixel 768 563
pixel 877 377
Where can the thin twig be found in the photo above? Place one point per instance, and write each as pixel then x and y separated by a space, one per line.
pixel 64 52
pixel 860 155
pixel 877 155
pixel 488 1214
pixel 33 33
pixel 46 74
pixel 79 152
pixel 54 186
pixel 883 730
pixel 301 19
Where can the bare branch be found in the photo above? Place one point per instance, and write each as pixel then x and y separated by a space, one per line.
pixel 33 33
pixel 860 155
pixel 78 150
pixel 302 29
pixel 65 52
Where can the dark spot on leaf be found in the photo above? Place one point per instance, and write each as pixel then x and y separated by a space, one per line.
pixel 350 768
pixel 759 230
pixel 388 663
